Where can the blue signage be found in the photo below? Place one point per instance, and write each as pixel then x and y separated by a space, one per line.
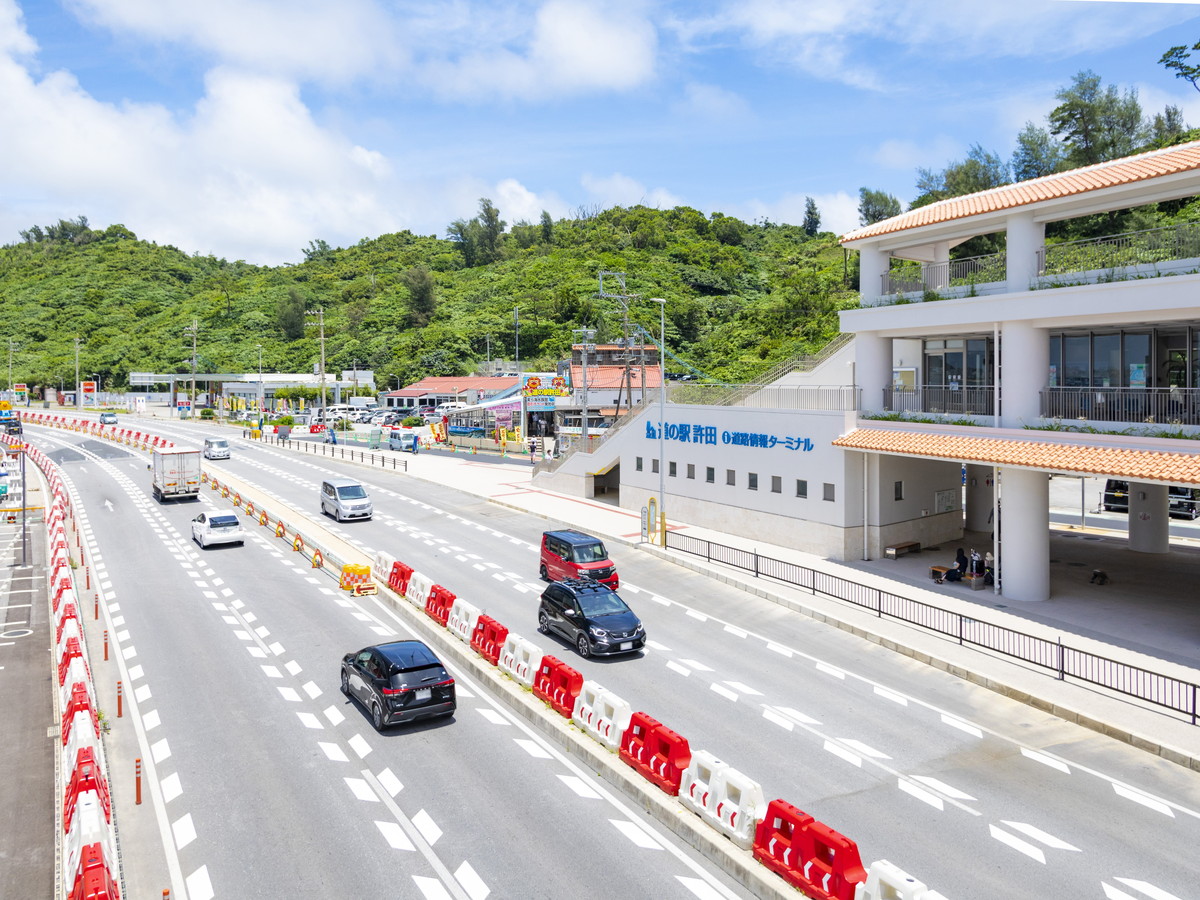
pixel 708 434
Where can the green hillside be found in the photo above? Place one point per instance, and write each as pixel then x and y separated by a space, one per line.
pixel 740 297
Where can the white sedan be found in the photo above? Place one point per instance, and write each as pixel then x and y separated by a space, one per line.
pixel 217 528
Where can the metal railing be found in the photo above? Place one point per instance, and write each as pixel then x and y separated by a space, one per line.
pixel 339 451
pixel 804 363
pixel 1063 661
pixel 949 273
pixel 1120 251
pixel 1158 406
pixel 969 401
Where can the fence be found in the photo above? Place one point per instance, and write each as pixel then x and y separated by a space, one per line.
pixel 1065 662
pixel 338 451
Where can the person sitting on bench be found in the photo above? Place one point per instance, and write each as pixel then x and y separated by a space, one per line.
pixel 959 569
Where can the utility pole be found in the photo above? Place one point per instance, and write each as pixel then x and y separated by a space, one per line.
pixel 261 393
pixel 12 345
pixel 517 336
pixel 319 312
pixel 78 398
pixel 622 298
pixel 587 335
pixel 193 330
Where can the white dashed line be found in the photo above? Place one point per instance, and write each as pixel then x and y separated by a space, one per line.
pixel 533 748
pixel 636 834
pixel 1143 799
pixel 426 826
pixel 1017 844
pixel 1046 760
pixel 184 831
pixel 361 790
pixel 579 786
pixel 334 752
pixel 394 835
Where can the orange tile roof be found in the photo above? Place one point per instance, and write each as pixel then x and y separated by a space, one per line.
pixel 1131 169
pixel 604 378
pixel 1131 465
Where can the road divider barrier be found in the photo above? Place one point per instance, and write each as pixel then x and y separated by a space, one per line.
pixel 728 800
pixel 656 751
pixel 488 637
pixel 887 881
pixel 352 575
pixel 318 559
pixel 417 592
pixel 461 620
pixel 811 856
pixel 602 714
pixel 398 578
pixel 381 568
pixel 558 684
pixel 520 658
pixel 440 602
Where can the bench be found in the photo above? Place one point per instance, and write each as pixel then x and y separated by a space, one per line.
pixel 938 573
pixel 896 550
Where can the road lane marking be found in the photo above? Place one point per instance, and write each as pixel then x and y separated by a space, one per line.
pixel 394 835
pixel 1046 760
pixel 1144 799
pixel 361 790
pixel 184 831
pixel 1017 844
pixel 920 793
pixel 579 786
pixel 1041 836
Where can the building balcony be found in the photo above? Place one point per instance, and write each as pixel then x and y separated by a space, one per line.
pixel 1159 252
pixel 1160 407
pixel 953 401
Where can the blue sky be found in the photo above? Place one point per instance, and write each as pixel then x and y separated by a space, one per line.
pixel 247 128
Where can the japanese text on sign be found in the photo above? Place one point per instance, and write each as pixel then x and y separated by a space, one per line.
pixel 708 434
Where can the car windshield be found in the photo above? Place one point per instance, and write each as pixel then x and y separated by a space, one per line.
pixel 601 603
pixel 408 655
pixel 354 492
pixel 219 445
pixel 589 553
pixel 223 521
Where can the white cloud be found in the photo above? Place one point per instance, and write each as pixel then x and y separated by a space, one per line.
pixel 621 190
pixel 839 210
pixel 306 39
pixel 711 103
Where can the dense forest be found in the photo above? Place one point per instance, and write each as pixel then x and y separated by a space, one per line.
pixel 741 297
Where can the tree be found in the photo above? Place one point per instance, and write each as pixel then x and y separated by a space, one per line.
pixel 1037 154
pixel 1177 58
pixel 466 235
pixel 812 217
pixel 547 228
pixel 422 294
pixel 290 315
pixel 317 250
pixel 491 227
pixel 980 171
pixel 874 206
pixel 1166 126
pixel 1096 124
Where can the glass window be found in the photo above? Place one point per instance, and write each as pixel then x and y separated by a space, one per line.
pixel 935 373
pixel 752 481
pixel 691 470
pixel 1055 361
pixel 898 490
pixel 1137 360
pixel 654 465
pixel 829 492
pixel 637 464
pixel 776 484
pixel 671 469
pixel 801 488
pixel 730 477
pixel 1106 360
pixel 954 367
pixel 1077 370
pixel 710 474
pixel 978 372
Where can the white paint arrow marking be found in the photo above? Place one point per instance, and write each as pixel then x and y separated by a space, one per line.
pixel 1148 889
pixel 108 504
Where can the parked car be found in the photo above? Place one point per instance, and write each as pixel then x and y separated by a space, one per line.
pixel 404 440
pixel 108 418
pixel 217 528
pixel 12 426
pixel 591 617
pixel 573 554
pixel 426 411
pixel 398 682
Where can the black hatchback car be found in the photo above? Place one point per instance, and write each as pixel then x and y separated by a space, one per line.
pixel 592 617
pixel 398 682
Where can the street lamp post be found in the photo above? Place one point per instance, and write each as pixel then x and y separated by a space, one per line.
pixel 261 392
pixel 662 415
pixel 96 378
pixel 78 392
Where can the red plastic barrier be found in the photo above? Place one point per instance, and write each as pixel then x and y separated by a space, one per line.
pixel 558 684
pixel 81 701
pixel 488 638
pixel 656 751
pixel 61 587
pixel 73 651
pixel 808 854
pixel 438 606
pixel 86 776
pixel 398 579
pixel 68 613
pixel 93 880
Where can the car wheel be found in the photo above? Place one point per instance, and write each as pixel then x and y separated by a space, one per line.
pixel 345 683
pixel 203 546
pixel 377 715
pixel 543 623
pixel 543 573
pixel 337 515
pixel 583 646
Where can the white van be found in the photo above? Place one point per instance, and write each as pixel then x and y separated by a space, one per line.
pixel 216 448
pixel 333 413
pixel 445 409
pixel 345 498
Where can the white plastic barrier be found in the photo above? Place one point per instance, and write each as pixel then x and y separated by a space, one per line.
pixel 725 798
pixel 88 827
pixel 462 619
pixel 602 714
pixel 419 586
pixel 887 881
pixel 381 568
pixel 520 658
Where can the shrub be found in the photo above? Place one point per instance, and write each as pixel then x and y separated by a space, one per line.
pixel 285 420
pixel 413 422
pixel 208 413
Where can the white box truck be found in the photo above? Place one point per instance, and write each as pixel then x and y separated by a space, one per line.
pixel 176 475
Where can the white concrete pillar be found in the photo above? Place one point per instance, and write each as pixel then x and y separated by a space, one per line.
pixel 940 270
pixel 1149 518
pixel 872 368
pixel 872 266
pixel 980 500
pixel 1024 372
pixel 1025 239
pixel 1024 534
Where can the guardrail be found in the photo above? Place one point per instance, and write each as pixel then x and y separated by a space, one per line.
pixel 1174 694
pixel 339 451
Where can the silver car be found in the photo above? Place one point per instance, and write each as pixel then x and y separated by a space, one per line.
pixel 217 528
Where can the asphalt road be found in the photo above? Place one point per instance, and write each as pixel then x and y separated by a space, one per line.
pixel 262 779
pixel 976 795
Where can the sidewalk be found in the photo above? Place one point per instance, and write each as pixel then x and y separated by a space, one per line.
pixel 1142 617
